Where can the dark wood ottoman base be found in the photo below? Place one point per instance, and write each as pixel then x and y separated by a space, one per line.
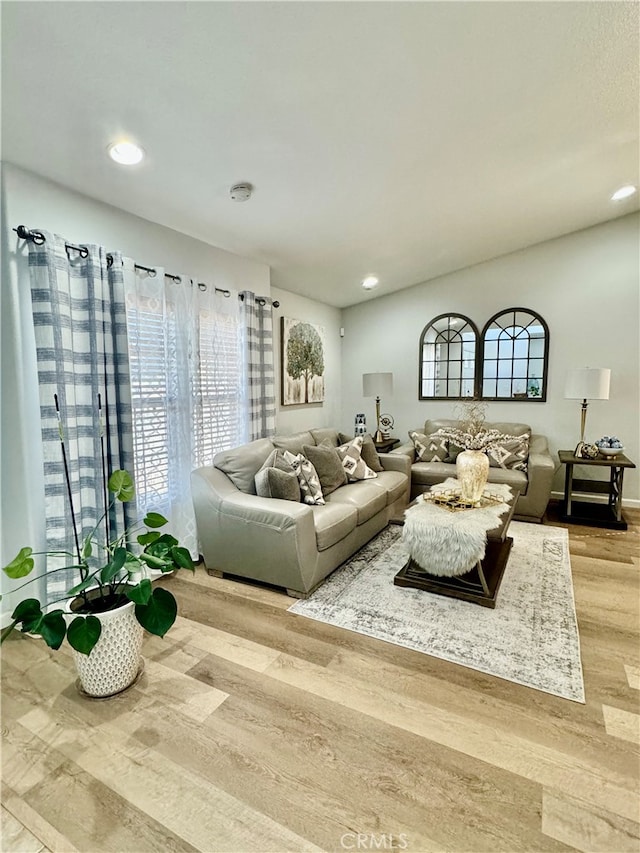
pixel 479 586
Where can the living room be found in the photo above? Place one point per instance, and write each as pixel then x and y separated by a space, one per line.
pixel 318 737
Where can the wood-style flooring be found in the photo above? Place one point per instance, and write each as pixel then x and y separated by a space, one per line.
pixel 253 729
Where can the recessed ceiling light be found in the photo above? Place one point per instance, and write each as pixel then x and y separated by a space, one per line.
pixel 624 192
pixel 369 282
pixel 126 153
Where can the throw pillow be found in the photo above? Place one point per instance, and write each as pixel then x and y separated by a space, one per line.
pixel 307 478
pixel 513 452
pixel 328 465
pixel 276 483
pixel 369 452
pixel 352 461
pixel 430 448
pixel 276 459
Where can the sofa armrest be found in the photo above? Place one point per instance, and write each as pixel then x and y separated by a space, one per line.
pixel 396 462
pixel 407 449
pixel 262 538
pixel 540 473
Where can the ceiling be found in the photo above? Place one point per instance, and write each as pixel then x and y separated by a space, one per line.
pixel 401 139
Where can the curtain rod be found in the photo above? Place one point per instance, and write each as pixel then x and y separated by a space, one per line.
pixel 38 238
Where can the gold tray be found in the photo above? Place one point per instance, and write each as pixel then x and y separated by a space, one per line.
pixel 452 500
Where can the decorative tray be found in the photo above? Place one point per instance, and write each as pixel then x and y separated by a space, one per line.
pixel 452 500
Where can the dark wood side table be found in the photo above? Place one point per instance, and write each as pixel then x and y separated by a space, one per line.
pixel 588 512
pixel 386 444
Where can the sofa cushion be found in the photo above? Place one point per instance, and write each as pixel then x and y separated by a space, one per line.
pixel 512 452
pixel 241 464
pixel 393 482
pixel 515 479
pixel 310 487
pixel 428 473
pixel 369 452
pixel 352 461
pixel 367 498
pixel 326 460
pixel 293 443
pixel 276 483
pixel 326 435
pixel 430 448
pixel 332 523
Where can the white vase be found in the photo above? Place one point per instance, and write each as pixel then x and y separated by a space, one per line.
pixel 114 662
pixel 472 470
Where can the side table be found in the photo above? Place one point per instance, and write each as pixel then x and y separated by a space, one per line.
pixel 589 512
pixel 386 444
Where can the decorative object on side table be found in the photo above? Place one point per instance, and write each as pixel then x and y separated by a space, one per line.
pixel 586 383
pixel 112 603
pixel 609 446
pixel 374 385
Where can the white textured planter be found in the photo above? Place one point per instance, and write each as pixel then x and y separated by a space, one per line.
pixel 472 470
pixel 115 661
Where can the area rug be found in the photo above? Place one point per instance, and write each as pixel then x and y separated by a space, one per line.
pixel 531 637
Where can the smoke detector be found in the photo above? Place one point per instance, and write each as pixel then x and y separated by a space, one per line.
pixel 240 192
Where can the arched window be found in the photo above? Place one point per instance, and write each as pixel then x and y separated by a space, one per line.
pixel 448 355
pixel 515 354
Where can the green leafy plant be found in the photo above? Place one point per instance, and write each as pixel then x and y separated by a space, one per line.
pixel 105 584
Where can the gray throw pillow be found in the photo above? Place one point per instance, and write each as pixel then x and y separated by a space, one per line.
pixel 369 453
pixel 277 460
pixel 275 483
pixel 328 465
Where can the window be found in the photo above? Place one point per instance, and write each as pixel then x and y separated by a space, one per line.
pixel 448 353
pixel 185 360
pixel 515 348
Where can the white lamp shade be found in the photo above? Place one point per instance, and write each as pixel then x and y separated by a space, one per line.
pixel 588 383
pixel 377 384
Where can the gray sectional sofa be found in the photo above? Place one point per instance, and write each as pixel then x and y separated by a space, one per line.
pixel 534 484
pixel 291 545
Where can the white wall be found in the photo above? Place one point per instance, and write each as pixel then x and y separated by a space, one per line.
pixel 294 418
pixel 586 287
pixel 31 200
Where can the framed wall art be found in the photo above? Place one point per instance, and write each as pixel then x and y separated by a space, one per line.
pixel 302 362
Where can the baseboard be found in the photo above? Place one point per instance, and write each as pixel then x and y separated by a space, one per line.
pixel 629 503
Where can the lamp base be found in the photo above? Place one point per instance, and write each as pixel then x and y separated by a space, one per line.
pixel 378 437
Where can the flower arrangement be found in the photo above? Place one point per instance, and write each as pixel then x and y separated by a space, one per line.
pixel 472 433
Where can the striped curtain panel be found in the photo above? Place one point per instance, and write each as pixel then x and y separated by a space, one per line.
pixel 82 357
pixel 258 369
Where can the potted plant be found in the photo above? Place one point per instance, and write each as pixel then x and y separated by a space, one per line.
pixel 472 463
pixel 113 601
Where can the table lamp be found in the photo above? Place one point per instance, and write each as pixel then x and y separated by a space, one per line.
pixel 373 385
pixel 586 383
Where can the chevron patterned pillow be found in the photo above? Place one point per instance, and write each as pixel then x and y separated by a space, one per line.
pixel 513 453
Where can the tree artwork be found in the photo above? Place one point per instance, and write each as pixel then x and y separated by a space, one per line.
pixel 302 362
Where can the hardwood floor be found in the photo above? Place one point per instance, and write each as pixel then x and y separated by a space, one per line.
pixel 256 730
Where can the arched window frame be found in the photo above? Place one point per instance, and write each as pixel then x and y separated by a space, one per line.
pixel 422 362
pixel 541 360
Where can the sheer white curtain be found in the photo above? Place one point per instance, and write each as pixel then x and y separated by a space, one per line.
pixel 185 351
